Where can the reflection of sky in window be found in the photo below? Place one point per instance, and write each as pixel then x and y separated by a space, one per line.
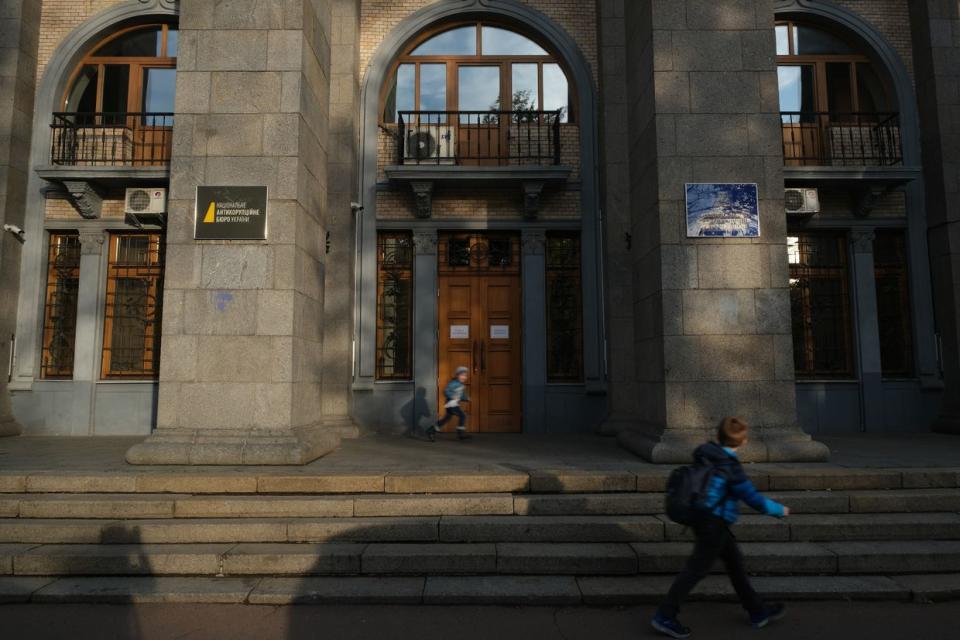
pixel 783 40
pixel 461 41
pixel 173 39
pixel 555 91
pixel 433 87
pixel 479 88
pixel 405 87
pixel 500 42
pixel 525 80
pixel 791 90
pixel 159 90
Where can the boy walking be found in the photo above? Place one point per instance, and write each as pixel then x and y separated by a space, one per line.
pixel 455 392
pixel 728 485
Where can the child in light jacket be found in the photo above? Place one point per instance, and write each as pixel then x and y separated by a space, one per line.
pixel 455 392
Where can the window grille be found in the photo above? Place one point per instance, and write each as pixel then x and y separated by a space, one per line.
pixel 564 308
pixel 60 306
pixel 394 306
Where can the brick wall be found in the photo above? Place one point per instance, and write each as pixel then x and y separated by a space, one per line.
pixel 891 18
pixel 58 18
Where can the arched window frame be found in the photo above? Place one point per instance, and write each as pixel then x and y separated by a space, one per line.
pixel 137 64
pixel 819 64
pixel 453 62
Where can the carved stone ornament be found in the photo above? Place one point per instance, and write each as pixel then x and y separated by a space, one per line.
pixel 531 199
pixel 173 5
pixel 85 198
pixel 534 242
pixel 425 243
pixel 91 243
pixel 423 197
pixel 862 240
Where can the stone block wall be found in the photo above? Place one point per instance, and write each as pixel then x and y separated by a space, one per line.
pixel 242 356
pixel 936 33
pixel 711 316
pixel 19 31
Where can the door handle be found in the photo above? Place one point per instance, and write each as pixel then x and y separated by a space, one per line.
pixel 483 355
pixel 474 356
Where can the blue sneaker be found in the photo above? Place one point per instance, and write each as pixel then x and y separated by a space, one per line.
pixel 669 627
pixel 769 614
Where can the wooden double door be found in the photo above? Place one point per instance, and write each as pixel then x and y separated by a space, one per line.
pixel 479 318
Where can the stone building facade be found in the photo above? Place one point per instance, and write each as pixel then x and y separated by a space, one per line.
pixel 504 185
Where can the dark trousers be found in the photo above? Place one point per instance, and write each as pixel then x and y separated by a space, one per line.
pixel 454 411
pixel 714 540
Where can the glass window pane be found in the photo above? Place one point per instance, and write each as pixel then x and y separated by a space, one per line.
pixel 173 41
pixel 60 306
pixel 479 88
pixel 796 91
pixel 556 91
pixel 813 41
pixel 525 87
pixel 783 40
pixel 461 41
pixel 116 84
pixel 893 303
pixel 839 90
pixel 402 93
pixel 564 308
pixel 142 43
pixel 500 42
pixel 82 97
pixel 871 90
pixel 394 352
pixel 159 88
pixel 433 88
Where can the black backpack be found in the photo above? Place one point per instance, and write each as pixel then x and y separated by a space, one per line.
pixel 686 495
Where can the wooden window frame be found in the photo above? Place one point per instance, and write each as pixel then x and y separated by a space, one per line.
pixel 453 62
pixel 54 277
pixel 840 273
pixel 151 270
pixel 135 63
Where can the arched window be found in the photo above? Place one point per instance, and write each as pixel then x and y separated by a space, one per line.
pixel 825 71
pixel 132 71
pixel 471 67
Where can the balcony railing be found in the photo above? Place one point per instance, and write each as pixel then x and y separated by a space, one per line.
pixel 841 139
pixel 111 139
pixel 479 138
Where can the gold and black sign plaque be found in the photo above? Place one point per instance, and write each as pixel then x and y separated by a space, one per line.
pixel 231 213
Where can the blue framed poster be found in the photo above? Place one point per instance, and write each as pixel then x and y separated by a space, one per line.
pixel 722 210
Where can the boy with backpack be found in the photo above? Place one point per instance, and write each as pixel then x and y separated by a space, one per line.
pixel 455 392
pixel 712 509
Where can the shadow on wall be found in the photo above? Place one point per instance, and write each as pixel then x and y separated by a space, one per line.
pixel 416 415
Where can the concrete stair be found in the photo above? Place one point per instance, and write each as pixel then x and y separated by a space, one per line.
pixel 502 536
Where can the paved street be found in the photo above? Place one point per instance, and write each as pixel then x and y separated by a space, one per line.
pixel 823 621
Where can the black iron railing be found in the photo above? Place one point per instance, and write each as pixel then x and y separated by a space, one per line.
pixel 111 139
pixel 841 139
pixel 479 137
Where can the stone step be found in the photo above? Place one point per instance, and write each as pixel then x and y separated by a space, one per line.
pixel 504 528
pixel 499 479
pixel 303 559
pixel 473 590
pixel 152 506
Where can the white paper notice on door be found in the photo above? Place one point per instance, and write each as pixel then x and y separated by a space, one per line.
pixel 459 331
pixel 499 332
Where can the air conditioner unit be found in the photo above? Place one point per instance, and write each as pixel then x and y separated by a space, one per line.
pixel 801 201
pixel 145 201
pixel 430 144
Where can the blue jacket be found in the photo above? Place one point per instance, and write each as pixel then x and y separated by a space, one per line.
pixel 455 390
pixel 730 485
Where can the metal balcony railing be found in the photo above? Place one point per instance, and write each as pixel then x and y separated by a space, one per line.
pixel 495 138
pixel 841 139
pixel 111 139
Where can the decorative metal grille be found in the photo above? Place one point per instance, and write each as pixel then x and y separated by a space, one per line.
pixel 131 340
pixel 564 308
pixel 479 253
pixel 60 307
pixel 394 306
pixel 820 305
pixel 893 303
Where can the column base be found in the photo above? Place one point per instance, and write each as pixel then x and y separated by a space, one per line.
pixel 765 445
pixel 221 447
pixel 9 427
pixel 344 426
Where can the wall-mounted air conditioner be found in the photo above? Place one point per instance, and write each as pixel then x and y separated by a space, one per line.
pixel 145 201
pixel 430 144
pixel 801 202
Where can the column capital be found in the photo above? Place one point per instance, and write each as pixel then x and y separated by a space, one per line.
pixel 533 242
pixel 862 240
pixel 425 242
pixel 91 242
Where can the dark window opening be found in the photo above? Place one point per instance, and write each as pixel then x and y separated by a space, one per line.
pixel 60 306
pixel 893 303
pixel 394 353
pixel 564 308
